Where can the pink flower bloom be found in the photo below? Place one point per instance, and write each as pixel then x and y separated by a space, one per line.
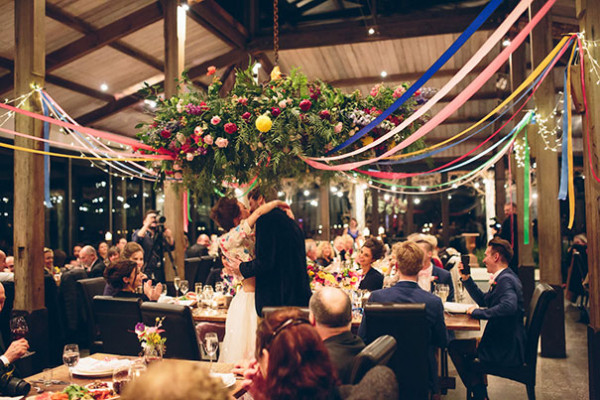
pixel 375 90
pixel 211 70
pixel 399 91
pixel 189 156
pixel 230 128
pixel 275 112
pixel 221 142
pixel 324 114
pixel 338 127
pixel 243 101
pixel 216 120
pixel 282 104
pixel 246 115
pixel 305 105
pixel 165 134
pixel 208 139
pixel 198 130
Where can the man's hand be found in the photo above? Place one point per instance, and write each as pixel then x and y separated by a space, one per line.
pixel 463 277
pixel 16 350
pixel 168 236
pixel 470 310
pixel 232 267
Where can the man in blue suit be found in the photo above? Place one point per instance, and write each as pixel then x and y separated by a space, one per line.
pixel 409 257
pixel 430 275
pixel 503 341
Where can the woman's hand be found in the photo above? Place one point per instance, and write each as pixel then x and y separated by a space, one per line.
pixel 153 293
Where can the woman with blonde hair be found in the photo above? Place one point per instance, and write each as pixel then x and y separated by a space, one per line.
pixel 324 254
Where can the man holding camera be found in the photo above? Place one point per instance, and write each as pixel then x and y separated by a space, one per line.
pixel 17 348
pixel 155 239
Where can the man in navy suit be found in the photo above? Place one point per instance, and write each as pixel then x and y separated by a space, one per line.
pixel 503 341
pixel 430 275
pixel 409 257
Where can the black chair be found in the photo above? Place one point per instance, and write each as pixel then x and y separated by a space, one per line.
pixel 377 353
pixel 542 296
pixel 198 268
pixel 408 325
pixel 116 318
pixel 88 289
pixel 304 311
pixel 178 324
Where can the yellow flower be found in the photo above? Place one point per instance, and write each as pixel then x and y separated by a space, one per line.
pixel 354 279
pixel 275 73
pixel 366 140
pixel 321 274
pixel 263 123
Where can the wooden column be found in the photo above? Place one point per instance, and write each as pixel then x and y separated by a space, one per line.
pixel 325 218
pixel 588 14
pixel 409 224
pixel 174 25
pixel 445 213
pixel 549 236
pixel 29 168
pixel 500 181
pixel 374 228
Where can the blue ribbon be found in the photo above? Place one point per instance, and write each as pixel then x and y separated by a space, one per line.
pixel 564 164
pixel 460 41
pixel 47 201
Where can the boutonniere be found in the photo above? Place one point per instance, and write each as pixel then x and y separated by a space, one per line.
pixel 493 285
pixel 434 279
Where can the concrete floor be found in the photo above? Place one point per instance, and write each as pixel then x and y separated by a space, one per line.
pixel 556 378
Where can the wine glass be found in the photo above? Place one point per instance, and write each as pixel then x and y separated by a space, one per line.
pixel 442 291
pixel 219 287
pixel 19 330
pixel 120 378
pixel 71 357
pixel 207 295
pixel 184 286
pixel 136 369
pixel 211 344
pixel 176 282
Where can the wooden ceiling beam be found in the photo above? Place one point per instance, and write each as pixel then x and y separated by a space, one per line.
pixel 115 106
pixel 310 5
pixel 79 24
pixel 210 15
pixel 396 27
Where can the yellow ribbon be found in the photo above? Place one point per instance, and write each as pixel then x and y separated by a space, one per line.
pixel 570 142
pixel 526 83
pixel 28 150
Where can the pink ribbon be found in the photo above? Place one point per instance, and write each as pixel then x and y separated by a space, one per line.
pixel 454 105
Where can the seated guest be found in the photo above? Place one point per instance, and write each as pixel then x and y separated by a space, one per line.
pixel 121 244
pixel 431 275
pixel 112 255
pixel 311 251
pixel 103 251
pixel 291 360
pixel 2 260
pixel 409 258
pixel 10 264
pixel 339 247
pixel 324 254
pixel 126 278
pixel 200 248
pixel 371 251
pixel 17 348
pixel 48 262
pixel 331 314
pixel 503 341
pixel 5 274
pixel 132 251
pixel 91 262
pixel 180 381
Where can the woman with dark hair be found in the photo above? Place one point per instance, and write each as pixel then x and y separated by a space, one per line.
pixel 125 277
pixel 292 361
pixel 352 229
pixel 371 251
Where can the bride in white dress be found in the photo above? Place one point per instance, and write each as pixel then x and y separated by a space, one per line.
pixel 239 243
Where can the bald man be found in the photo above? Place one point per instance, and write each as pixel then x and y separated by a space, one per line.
pixel 331 314
pixel 10 263
pixel 93 265
pixel 2 260
pixel 17 348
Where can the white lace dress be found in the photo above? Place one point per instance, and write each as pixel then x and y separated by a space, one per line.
pixel 241 323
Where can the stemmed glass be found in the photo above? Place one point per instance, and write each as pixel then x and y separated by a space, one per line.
pixel 219 288
pixel 71 357
pixel 19 330
pixel 211 344
pixel 176 282
pixel 207 295
pixel 120 378
pixel 136 369
pixel 442 291
pixel 184 286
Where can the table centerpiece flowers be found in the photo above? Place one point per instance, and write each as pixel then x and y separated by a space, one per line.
pixel 153 344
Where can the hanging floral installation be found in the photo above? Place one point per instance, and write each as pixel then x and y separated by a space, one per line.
pixel 260 131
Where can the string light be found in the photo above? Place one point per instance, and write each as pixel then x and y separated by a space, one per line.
pixel 593 63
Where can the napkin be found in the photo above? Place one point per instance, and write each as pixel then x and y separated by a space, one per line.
pixel 457 308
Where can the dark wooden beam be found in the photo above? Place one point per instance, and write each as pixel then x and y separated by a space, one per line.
pixel 114 107
pixel 227 79
pixel 310 5
pixel 79 24
pixel 210 15
pixel 347 32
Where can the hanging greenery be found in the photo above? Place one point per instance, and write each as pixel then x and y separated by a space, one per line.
pixel 260 130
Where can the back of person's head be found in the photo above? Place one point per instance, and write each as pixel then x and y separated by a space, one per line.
pixel 115 272
pixel 298 363
pixel 130 249
pixel 268 193
pixel 180 381
pixel 376 247
pixel 225 212
pixel 429 241
pixel 503 248
pixel 409 257
pixel 331 307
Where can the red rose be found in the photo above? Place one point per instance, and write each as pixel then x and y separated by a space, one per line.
pixel 275 111
pixel 230 127
pixel 165 134
pixel 211 70
pixel 246 115
pixel 325 114
pixel 305 105
pixel 417 93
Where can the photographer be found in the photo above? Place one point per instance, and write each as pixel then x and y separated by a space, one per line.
pixel 155 239
pixel 17 348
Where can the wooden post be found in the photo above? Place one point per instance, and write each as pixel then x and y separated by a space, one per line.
pixel 549 236
pixel 29 168
pixel 588 14
pixel 500 181
pixel 374 228
pixel 174 25
pixel 409 224
pixel 325 217
pixel 445 213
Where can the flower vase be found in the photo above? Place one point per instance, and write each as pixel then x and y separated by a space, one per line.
pixel 153 354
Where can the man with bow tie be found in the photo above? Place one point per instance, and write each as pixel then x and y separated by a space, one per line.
pixel 503 341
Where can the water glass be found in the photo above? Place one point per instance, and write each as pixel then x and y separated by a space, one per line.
pixel 120 378
pixel 211 344
pixel 184 286
pixel 71 357
pixel 219 288
pixel 442 291
pixel 136 369
pixel 198 290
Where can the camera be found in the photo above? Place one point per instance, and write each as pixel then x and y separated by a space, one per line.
pixel 11 385
pixel 161 219
pixel 465 259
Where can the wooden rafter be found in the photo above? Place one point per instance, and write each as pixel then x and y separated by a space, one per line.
pixel 79 24
pixel 371 80
pixel 210 15
pixel 114 107
pixel 310 5
pixel 265 61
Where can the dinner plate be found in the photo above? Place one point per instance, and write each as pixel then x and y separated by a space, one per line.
pixel 110 386
pixel 228 379
pixel 90 367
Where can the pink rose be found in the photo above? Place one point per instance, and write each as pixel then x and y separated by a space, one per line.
pixel 211 70
pixel 208 139
pixel 305 105
pixel 221 142
pixel 275 112
pixel 165 134
pixel 246 115
pixel 230 128
pixel 216 120
pixel 282 104
pixel 375 90
pixel 399 91
pixel 243 101
pixel 189 156
pixel 325 114
pixel 338 127
pixel 198 130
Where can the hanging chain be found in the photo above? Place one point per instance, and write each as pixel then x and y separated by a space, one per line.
pixel 276 30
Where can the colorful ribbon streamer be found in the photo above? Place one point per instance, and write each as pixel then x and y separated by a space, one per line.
pixel 449 53
pixel 526 187
pixel 47 201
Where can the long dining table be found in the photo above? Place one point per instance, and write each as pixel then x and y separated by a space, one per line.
pixel 60 375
